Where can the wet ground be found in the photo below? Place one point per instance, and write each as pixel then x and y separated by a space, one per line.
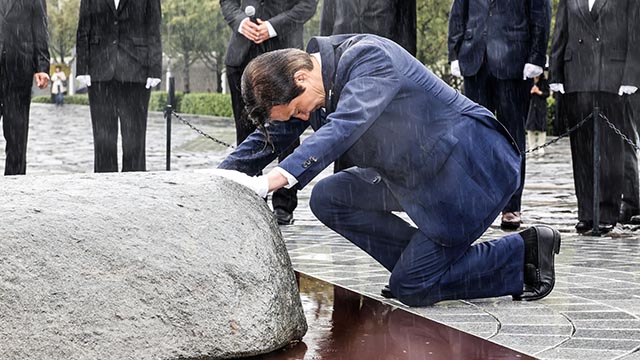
pixel 593 313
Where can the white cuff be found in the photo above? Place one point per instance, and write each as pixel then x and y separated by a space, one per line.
pixel 242 22
pixel 272 31
pixel 290 179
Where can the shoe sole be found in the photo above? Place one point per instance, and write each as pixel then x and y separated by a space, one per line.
pixel 556 250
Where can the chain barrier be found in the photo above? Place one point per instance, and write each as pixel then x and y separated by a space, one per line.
pixel 574 128
pixel 182 120
pixel 549 143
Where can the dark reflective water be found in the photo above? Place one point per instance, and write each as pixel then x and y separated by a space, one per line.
pixel 346 325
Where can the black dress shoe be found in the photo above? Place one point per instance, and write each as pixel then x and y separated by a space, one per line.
pixel 539 275
pixel 386 292
pixel 583 226
pixel 283 216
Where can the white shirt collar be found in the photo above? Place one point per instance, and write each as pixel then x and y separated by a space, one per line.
pixel 591 2
pixel 118 3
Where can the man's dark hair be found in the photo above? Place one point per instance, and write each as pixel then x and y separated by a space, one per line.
pixel 269 81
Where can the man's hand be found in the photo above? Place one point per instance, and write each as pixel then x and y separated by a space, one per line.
pixel 85 79
pixel 455 68
pixel 42 79
pixel 250 30
pixel 152 82
pixel 530 71
pixel 627 89
pixel 259 184
pixel 557 87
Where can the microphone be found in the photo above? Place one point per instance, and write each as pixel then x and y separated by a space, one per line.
pixel 250 11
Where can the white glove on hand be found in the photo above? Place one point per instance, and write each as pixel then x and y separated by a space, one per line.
pixel 152 82
pixel 455 68
pixel 85 79
pixel 259 184
pixel 530 71
pixel 557 88
pixel 627 89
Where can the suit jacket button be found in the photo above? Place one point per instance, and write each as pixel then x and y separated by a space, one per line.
pixel 115 22
pixel 306 164
pixel 115 42
pixel 579 41
pixel 597 39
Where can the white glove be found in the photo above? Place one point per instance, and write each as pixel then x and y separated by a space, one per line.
pixel 85 79
pixel 152 82
pixel 455 68
pixel 530 71
pixel 627 89
pixel 259 184
pixel 556 87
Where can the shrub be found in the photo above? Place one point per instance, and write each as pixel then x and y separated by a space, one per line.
pixel 158 100
pixel 207 104
pixel 80 99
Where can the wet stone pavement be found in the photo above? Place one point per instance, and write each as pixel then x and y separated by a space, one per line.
pixel 593 312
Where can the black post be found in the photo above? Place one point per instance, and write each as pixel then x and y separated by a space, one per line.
pixel 596 172
pixel 169 116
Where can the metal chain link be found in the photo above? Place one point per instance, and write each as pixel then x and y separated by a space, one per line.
pixel 220 142
pixel 623 136
pixel 553 141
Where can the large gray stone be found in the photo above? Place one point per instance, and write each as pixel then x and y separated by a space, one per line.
pixel 173 265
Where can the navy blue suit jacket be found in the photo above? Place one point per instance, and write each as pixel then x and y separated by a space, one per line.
pixel 451 165
pixel 504 33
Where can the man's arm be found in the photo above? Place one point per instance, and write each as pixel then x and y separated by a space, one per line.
pixel 457 25
pixel 539 25
pixel 631 75
pixel 327 17
pixel 232 13
pixel 255 153
pixel 40 37
pixel 82 39
pixel 558 45
pixel 154 25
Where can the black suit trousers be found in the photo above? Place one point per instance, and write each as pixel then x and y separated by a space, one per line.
pixel 580 105
pixel 286 199
pixel 129 102
pixel 630 192
pixel 14 111
pixel 509 100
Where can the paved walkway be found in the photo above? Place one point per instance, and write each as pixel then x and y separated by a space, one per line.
pixel 593 313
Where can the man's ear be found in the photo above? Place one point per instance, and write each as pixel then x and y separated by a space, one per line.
pixel 301 75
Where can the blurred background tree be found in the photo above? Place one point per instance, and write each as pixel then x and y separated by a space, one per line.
pixel 63 22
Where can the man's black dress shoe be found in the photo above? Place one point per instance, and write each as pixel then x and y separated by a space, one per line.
pixel 386 292
pixel 539 269
pixel 283 216
pixel 583 227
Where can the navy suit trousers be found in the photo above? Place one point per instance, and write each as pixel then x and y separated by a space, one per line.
pixel 423 272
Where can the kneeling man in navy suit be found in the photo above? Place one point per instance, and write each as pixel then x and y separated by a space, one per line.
pixel 419 146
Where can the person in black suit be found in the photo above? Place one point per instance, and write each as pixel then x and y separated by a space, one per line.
pixel 594 62
pixel 24 57
pixel 120 58
pixel 393 19
pixel 278 25
pixel 498 46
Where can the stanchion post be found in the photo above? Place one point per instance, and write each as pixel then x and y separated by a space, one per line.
pixel 596 172
pixel 168 116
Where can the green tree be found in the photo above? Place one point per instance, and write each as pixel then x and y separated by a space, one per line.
pixel 212 53
pixel 191 30
pixel 63 22
pixel 433 29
